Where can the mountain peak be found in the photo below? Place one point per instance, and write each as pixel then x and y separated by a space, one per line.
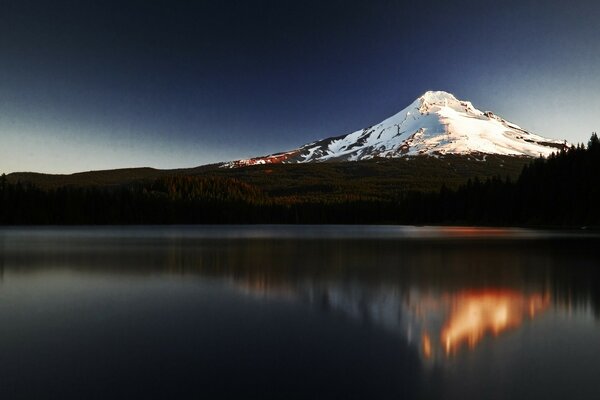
pixel 437 96
pixel 435 124
pixel 433 100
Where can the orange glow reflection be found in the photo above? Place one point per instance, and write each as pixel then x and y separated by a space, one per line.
pixel 474 314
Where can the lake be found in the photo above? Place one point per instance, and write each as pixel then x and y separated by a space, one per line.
pixel 284 312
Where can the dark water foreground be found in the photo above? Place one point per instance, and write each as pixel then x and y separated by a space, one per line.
pixel 298 312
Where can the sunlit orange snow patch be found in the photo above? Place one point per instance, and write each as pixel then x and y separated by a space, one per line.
pixel 474 314
pixel 271 159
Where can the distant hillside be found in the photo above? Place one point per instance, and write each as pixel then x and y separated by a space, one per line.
pixel 370 179
pixel 111 177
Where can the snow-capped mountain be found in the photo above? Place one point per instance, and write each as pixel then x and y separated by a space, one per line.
pixel 436 123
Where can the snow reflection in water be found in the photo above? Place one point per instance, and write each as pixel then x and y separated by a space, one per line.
pixel 440 324
pixel 475 314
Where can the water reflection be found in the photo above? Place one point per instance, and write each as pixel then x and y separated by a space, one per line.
pixel 408 313
pixel 476 313
pixel 440 323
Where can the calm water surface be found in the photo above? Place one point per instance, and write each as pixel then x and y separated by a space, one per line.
pixel 298 312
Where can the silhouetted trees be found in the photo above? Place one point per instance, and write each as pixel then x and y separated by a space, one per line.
pixel 561 190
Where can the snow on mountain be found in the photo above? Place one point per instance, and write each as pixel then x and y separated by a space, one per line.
pixel 436 123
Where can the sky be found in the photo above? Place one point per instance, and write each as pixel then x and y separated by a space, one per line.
pixel 87 85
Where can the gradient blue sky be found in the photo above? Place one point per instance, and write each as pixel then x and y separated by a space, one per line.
pixel 106 84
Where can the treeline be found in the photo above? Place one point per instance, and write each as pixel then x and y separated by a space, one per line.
pixel 174 200
pixel 177 199
pixel 563 190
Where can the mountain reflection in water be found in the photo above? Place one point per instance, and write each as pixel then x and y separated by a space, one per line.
pixel 262 312
pixel 467 316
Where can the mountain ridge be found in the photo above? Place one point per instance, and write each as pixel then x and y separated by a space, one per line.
pixel 435 124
